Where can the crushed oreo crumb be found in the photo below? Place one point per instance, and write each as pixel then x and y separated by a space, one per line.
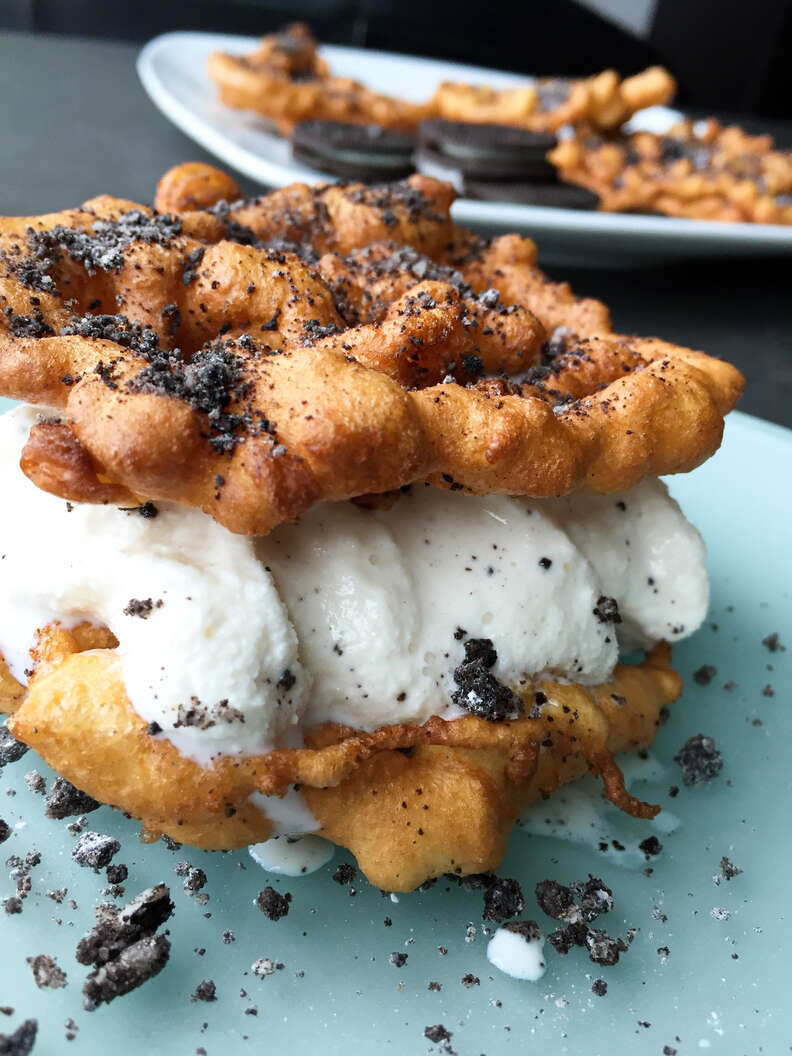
pixel 205 991
pixel 11 750
pixel 526 929
pixel 345 873
pixel 35 782
pixel 95 850
pixel 21 1042
pixel 437 1033
pixel 286 680
pixel 117 874
pixel 599 987
pixel 209 382
pixel 728 870
pixel 5 830
pixel 194 878
pixel 398 960
pixel 576 902
pixel 650 846
pixel 607 610
pixel 148 510
pixel 46 973
pixel 66 801
pixel 264 967
pixel 699 760
pixel 705 674
pixel 141 340
pixel 141 607
pixel 773 643
pixel 134 965
pixel 603 949
pixel 503 899
pixel 273 904
pixel 98 249
pixel 479 690
pixel 116 929
pixel 204 716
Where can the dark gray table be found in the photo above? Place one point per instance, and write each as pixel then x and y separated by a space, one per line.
pixel 75 122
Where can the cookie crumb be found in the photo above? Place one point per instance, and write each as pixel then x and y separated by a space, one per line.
pixel 773 643
pixel 699 760
pixel 272 904
pixel 194 878
pixel 503 899
pixel 46 973
pixel 705 674
pixel 650 847
pixel 66 801
pixel 204 991
pixel 437 1033
pixel 95 850
pixel 345 873
pixel 35 782
pixel 264 967
pixel 728 870
pixel 21 1042
pixel 11 751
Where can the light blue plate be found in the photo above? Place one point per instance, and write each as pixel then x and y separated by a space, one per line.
pixel 724 986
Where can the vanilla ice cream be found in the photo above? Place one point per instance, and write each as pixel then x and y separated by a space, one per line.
pixel 352 615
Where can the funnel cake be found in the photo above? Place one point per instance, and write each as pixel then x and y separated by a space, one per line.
pixel 418 352
pixel 473 777
pixel 263 361
pixel 286 81
pixel 603 101
pixel 700 171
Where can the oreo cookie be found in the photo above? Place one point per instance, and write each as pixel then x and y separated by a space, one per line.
pixel 487 152
pixel 559 195
pixel 356 152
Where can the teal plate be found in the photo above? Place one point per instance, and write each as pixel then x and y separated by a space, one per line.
pixel 722 986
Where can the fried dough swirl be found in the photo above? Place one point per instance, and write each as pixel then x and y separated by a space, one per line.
pixel 473 777
pixel 286 81
pixel 696 170
pixel 257 357
pixel 603 101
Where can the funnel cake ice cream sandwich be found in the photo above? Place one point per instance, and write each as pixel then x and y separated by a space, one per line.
pixel 326 515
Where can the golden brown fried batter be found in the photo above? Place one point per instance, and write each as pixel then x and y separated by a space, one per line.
pixel 184 348
pixel 476 776
pixel 286 81
pixel 709 173
pixel 602 102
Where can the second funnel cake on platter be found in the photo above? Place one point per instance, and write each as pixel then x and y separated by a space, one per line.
pixel 469 452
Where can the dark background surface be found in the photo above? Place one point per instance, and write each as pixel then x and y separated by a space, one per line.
pixel 75 122
pixel 727 54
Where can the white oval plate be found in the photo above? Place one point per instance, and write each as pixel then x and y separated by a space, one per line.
pixel 172 68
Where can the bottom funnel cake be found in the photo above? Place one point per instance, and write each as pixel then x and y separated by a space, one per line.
pixel 410 801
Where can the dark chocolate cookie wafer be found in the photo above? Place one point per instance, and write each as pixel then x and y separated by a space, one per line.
pixel 561 195
pixel 489 152
pixel 361 152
